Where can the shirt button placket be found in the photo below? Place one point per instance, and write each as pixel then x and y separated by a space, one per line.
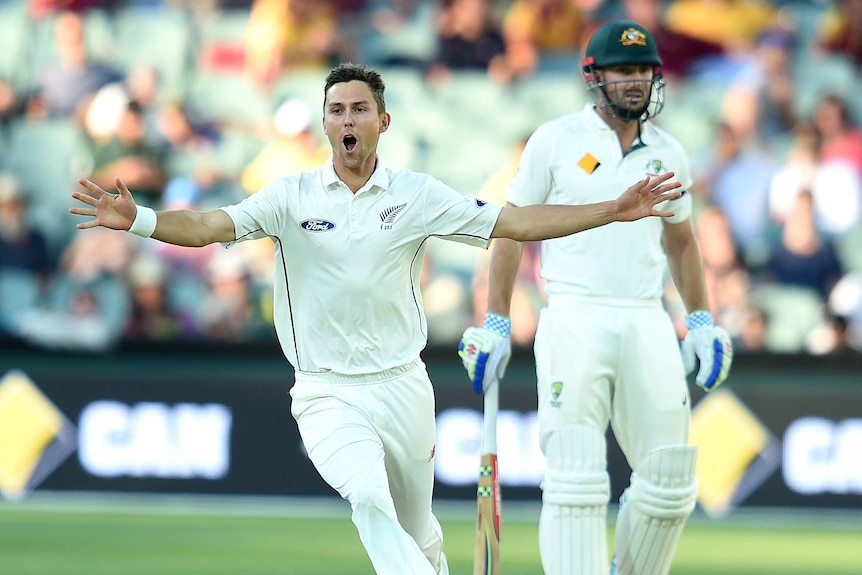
pixel 353 225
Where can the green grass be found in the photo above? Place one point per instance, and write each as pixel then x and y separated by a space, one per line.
pixel 167 541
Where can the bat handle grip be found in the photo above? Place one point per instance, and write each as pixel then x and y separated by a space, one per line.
pixel 492 406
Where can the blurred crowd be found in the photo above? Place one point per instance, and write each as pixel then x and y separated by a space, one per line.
pixel 198 103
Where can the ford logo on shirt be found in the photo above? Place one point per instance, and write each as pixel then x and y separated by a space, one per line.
pixel 316 225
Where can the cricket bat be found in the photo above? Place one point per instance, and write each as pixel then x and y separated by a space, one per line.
pixel 486 558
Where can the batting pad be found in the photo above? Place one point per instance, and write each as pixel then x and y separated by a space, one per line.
pixel 653 511
pixel 575 494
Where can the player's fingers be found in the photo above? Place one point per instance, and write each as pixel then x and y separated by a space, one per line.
pixel 639 188
pixel 91 187
pixel 659 198
pixel 663 213
pixel 83 211
pixel 85 198
pixel 656 181
pixel 666 188
pixel 87 225
pixel 124 191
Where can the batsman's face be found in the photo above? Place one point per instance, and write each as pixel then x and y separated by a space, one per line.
pixel 353 124
pixel 628 87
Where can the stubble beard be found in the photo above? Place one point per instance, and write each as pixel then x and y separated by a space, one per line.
pixel 353 161
pixel 626 108
pixel 632 110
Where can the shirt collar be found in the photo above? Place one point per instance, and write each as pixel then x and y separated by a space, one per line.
pixel 330 178
pixel 379 178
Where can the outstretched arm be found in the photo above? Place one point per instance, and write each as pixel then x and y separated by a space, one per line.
pixel 541 222
pixel 179 227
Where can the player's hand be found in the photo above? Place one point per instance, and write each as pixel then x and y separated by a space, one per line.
pixel 640 199
pixel 115 211
pixel 709 344
pixel 485 351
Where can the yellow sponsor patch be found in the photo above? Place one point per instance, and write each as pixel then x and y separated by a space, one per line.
pixel 588 163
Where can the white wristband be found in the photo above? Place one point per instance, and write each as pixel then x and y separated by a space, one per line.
pixel 145 222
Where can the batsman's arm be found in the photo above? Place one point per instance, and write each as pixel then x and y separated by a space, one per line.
pixel 485 351
pixel 179 227
pixel 502 272
pixel 705 342
pixel 685 264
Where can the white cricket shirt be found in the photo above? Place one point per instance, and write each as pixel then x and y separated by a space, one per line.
pixel 346 293
pixel 577 159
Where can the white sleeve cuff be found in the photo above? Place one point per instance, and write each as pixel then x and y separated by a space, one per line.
pixel 145 222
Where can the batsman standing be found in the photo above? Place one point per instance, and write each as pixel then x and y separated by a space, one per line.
pixel 350 238
pixel 606 351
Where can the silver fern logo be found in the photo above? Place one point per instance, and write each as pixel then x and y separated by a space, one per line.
pixel 389 215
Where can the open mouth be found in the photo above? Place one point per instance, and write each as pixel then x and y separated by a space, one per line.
pixel 349 143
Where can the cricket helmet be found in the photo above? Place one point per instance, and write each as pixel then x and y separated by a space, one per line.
pixel 623 43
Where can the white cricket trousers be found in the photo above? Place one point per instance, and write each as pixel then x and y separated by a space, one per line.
pixel 372 438
pixel 601 361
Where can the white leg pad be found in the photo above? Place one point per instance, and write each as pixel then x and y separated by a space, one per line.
pixel 653 511
pixel 575 494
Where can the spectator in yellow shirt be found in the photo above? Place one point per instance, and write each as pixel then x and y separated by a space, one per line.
pixel 295 149
pixel 537 30
pixel 734 24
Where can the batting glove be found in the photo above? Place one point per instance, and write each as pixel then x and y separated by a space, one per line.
pixel 485 351
pixel 709 344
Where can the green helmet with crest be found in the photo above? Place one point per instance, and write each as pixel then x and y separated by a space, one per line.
pixel 623 43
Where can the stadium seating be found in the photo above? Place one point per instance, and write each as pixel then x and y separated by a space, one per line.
pixel 13 44
pixel 19 292
pixel 461 130
pixel 849 247
pixel 160 38
pixel 792 312
pixel 48 157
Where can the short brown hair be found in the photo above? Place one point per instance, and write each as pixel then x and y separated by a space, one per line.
pixel 349 72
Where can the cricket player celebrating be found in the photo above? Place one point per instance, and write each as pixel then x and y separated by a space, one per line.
pixel 350 238
pixel 606 351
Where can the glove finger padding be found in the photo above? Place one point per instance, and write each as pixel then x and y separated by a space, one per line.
pixel 716 370
pixel 711 346
pixel 472 356
pixel 499 360
pixel 484 355
pixel 689 359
